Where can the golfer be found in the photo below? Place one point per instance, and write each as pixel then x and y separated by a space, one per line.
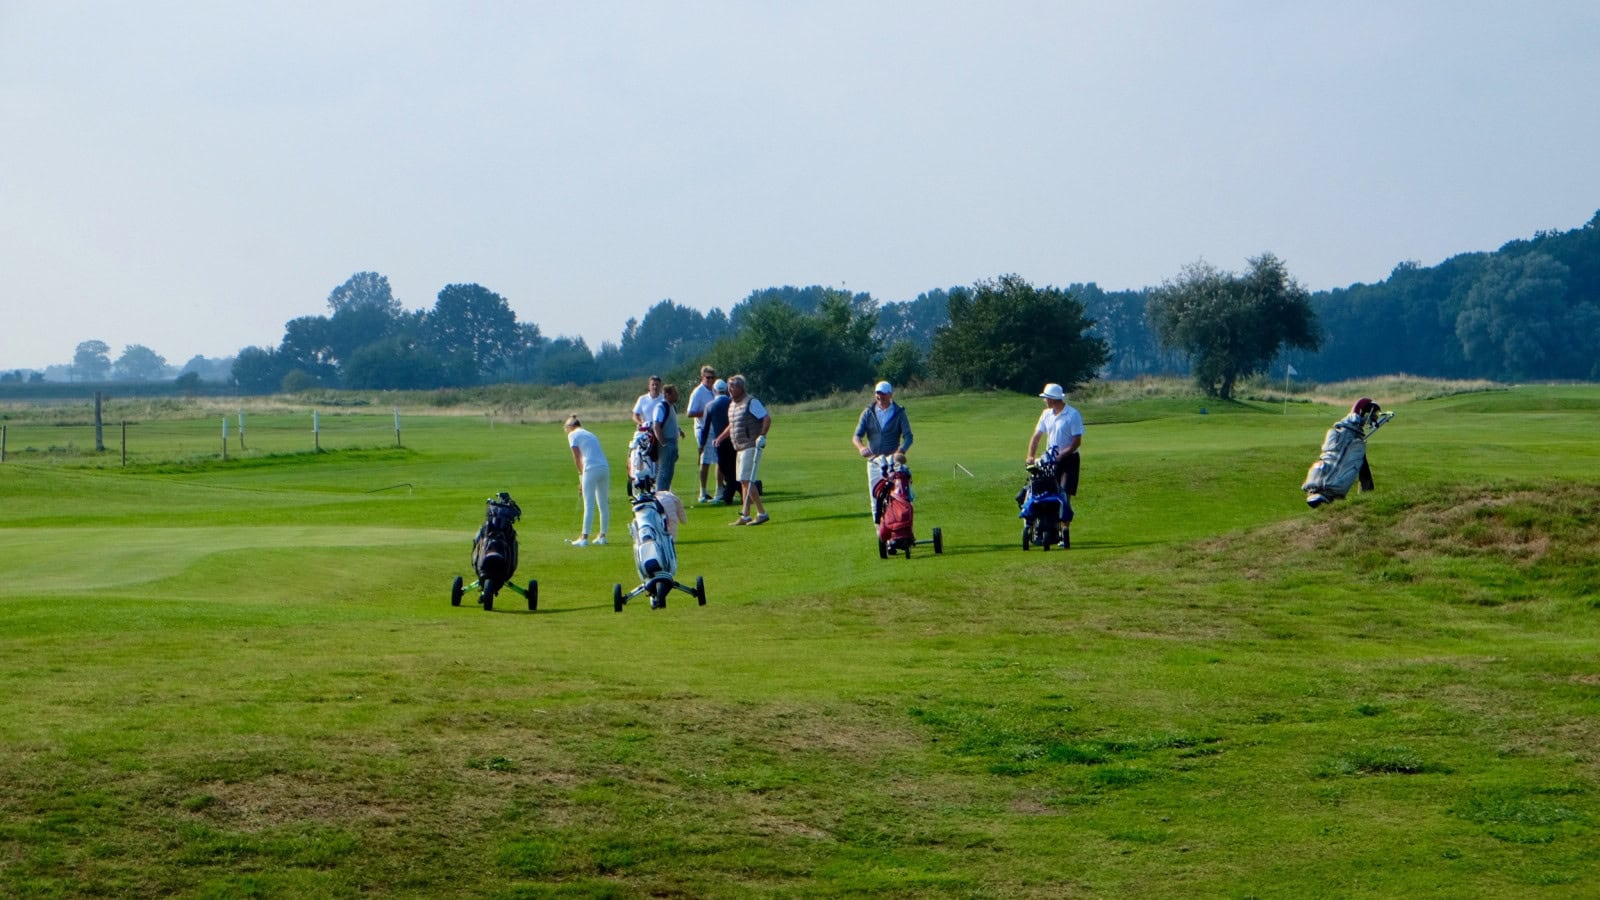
pixel 664 426
pixel 883 430
pixel 699 399
pixel 594 477
pixel 1062 428
pixel 748 423
pixel 644 408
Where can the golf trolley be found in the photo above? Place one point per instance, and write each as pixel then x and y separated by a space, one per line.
pixel 494 556
pixel 655 553
pixel 1043 507
pixel 892 510
pixel 1343 461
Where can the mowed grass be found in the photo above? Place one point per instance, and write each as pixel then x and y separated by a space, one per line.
pixel 244 678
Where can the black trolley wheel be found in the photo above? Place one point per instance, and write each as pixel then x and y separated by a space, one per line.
pixel 456 590
pixel 1027 537
pixel 533 595
pixel 883 549
pixel 700 589
pixel 487 600
pixel 616 598
pixel 938 541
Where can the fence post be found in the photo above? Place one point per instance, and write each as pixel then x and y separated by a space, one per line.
pixel 2 443
pixel 224 437
pixel 124 443
pixel 316 432
pixel 241 428
pixel 397 427
pixel 99 427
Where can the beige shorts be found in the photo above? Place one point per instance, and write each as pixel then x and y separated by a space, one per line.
pixel 747 464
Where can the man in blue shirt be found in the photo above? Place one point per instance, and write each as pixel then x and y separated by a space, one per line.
pixel 882 430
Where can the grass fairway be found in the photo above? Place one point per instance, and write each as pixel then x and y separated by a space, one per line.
pixel 244 678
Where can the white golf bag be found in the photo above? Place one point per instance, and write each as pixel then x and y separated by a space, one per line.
pixel 653 551
pixel 641 464
pixel 1343 461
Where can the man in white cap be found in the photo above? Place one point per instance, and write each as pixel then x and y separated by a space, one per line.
pixel 1062 427
pixel 882 430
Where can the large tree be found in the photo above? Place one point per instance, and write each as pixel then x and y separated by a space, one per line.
pixel 364 290
pixel 474 330
pixel 1008 334
pixel 790 355
pixel 1233 325
pixel 140 363
pixel 91 361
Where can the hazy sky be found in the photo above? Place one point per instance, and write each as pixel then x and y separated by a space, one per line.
pixel 191 175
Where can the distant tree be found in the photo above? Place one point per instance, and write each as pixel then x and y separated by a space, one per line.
pixel 140 363
pixel 1008 334
pixel 188 382
pixel 393 363
pixel 1516 322
pixel 916 320
pixel 92 361
pixel 1233 325
pixel 474 330
pixel 903 363
pixel 364 290
pixel 257 370
pixel 12 377
pixel 567 361
pixel 789 355
pixel 668 337
pixel 307 346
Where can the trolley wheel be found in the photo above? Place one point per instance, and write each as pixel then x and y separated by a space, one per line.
pixel 700 589
pixel 907 548
pixel 616 598
pixel 938 541
pixel 533 595
pixel 659 593
pixel 1066 537
pixel 488 596
pixel 883 550
pixel 1027 534
pixel 456 591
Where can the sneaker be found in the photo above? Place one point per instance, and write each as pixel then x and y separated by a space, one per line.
pixel 704 498
pixel 761 519
pixel 600 541
pixel 580 542
pixel 742 520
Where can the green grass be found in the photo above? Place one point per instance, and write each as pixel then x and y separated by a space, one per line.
pixel 244 678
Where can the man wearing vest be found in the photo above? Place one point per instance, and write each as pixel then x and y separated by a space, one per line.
pixel 748 422
pixel 886 430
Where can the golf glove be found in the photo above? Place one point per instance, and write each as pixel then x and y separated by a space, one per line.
pixel 761 442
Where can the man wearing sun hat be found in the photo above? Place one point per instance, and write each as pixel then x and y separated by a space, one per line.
pixel 1062 427
pixel 882 430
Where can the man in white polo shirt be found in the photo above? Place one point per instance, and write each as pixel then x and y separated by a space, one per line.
pixel 1062 428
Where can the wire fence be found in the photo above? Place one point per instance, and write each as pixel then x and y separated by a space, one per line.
pixel 131 442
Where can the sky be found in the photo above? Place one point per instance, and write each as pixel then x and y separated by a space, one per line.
pixel 189 175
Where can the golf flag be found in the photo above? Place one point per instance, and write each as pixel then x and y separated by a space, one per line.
pixel 1292 371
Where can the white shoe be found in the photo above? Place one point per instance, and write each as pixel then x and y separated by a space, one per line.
pixel 580 542
pixel 600 541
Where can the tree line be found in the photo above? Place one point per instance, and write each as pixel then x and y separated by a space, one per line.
pixel 1528 311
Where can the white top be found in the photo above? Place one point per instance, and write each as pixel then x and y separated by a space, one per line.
pixel 1059 430
pixel 646 405
pixel 588 447
pixel 699 398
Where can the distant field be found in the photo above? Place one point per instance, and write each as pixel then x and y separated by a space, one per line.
pixel 243 677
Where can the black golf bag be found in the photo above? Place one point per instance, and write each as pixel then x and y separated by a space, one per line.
pixel 494 550
pixel 1343 461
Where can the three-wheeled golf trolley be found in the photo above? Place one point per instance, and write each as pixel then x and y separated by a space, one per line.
pixel 494 556
pixel 655 554
pixel 892 509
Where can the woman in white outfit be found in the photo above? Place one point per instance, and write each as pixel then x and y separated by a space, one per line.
pixel 594 474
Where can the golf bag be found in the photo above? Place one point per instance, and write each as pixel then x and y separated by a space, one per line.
pixel 1043 506
pixel 892 498
pixel 494 550
pixel 653 552
pixel 642 455
pixel 1343 461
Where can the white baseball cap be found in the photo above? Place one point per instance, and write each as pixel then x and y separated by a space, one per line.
pixel 1053 391
pixel 883 387
pixel 720 387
